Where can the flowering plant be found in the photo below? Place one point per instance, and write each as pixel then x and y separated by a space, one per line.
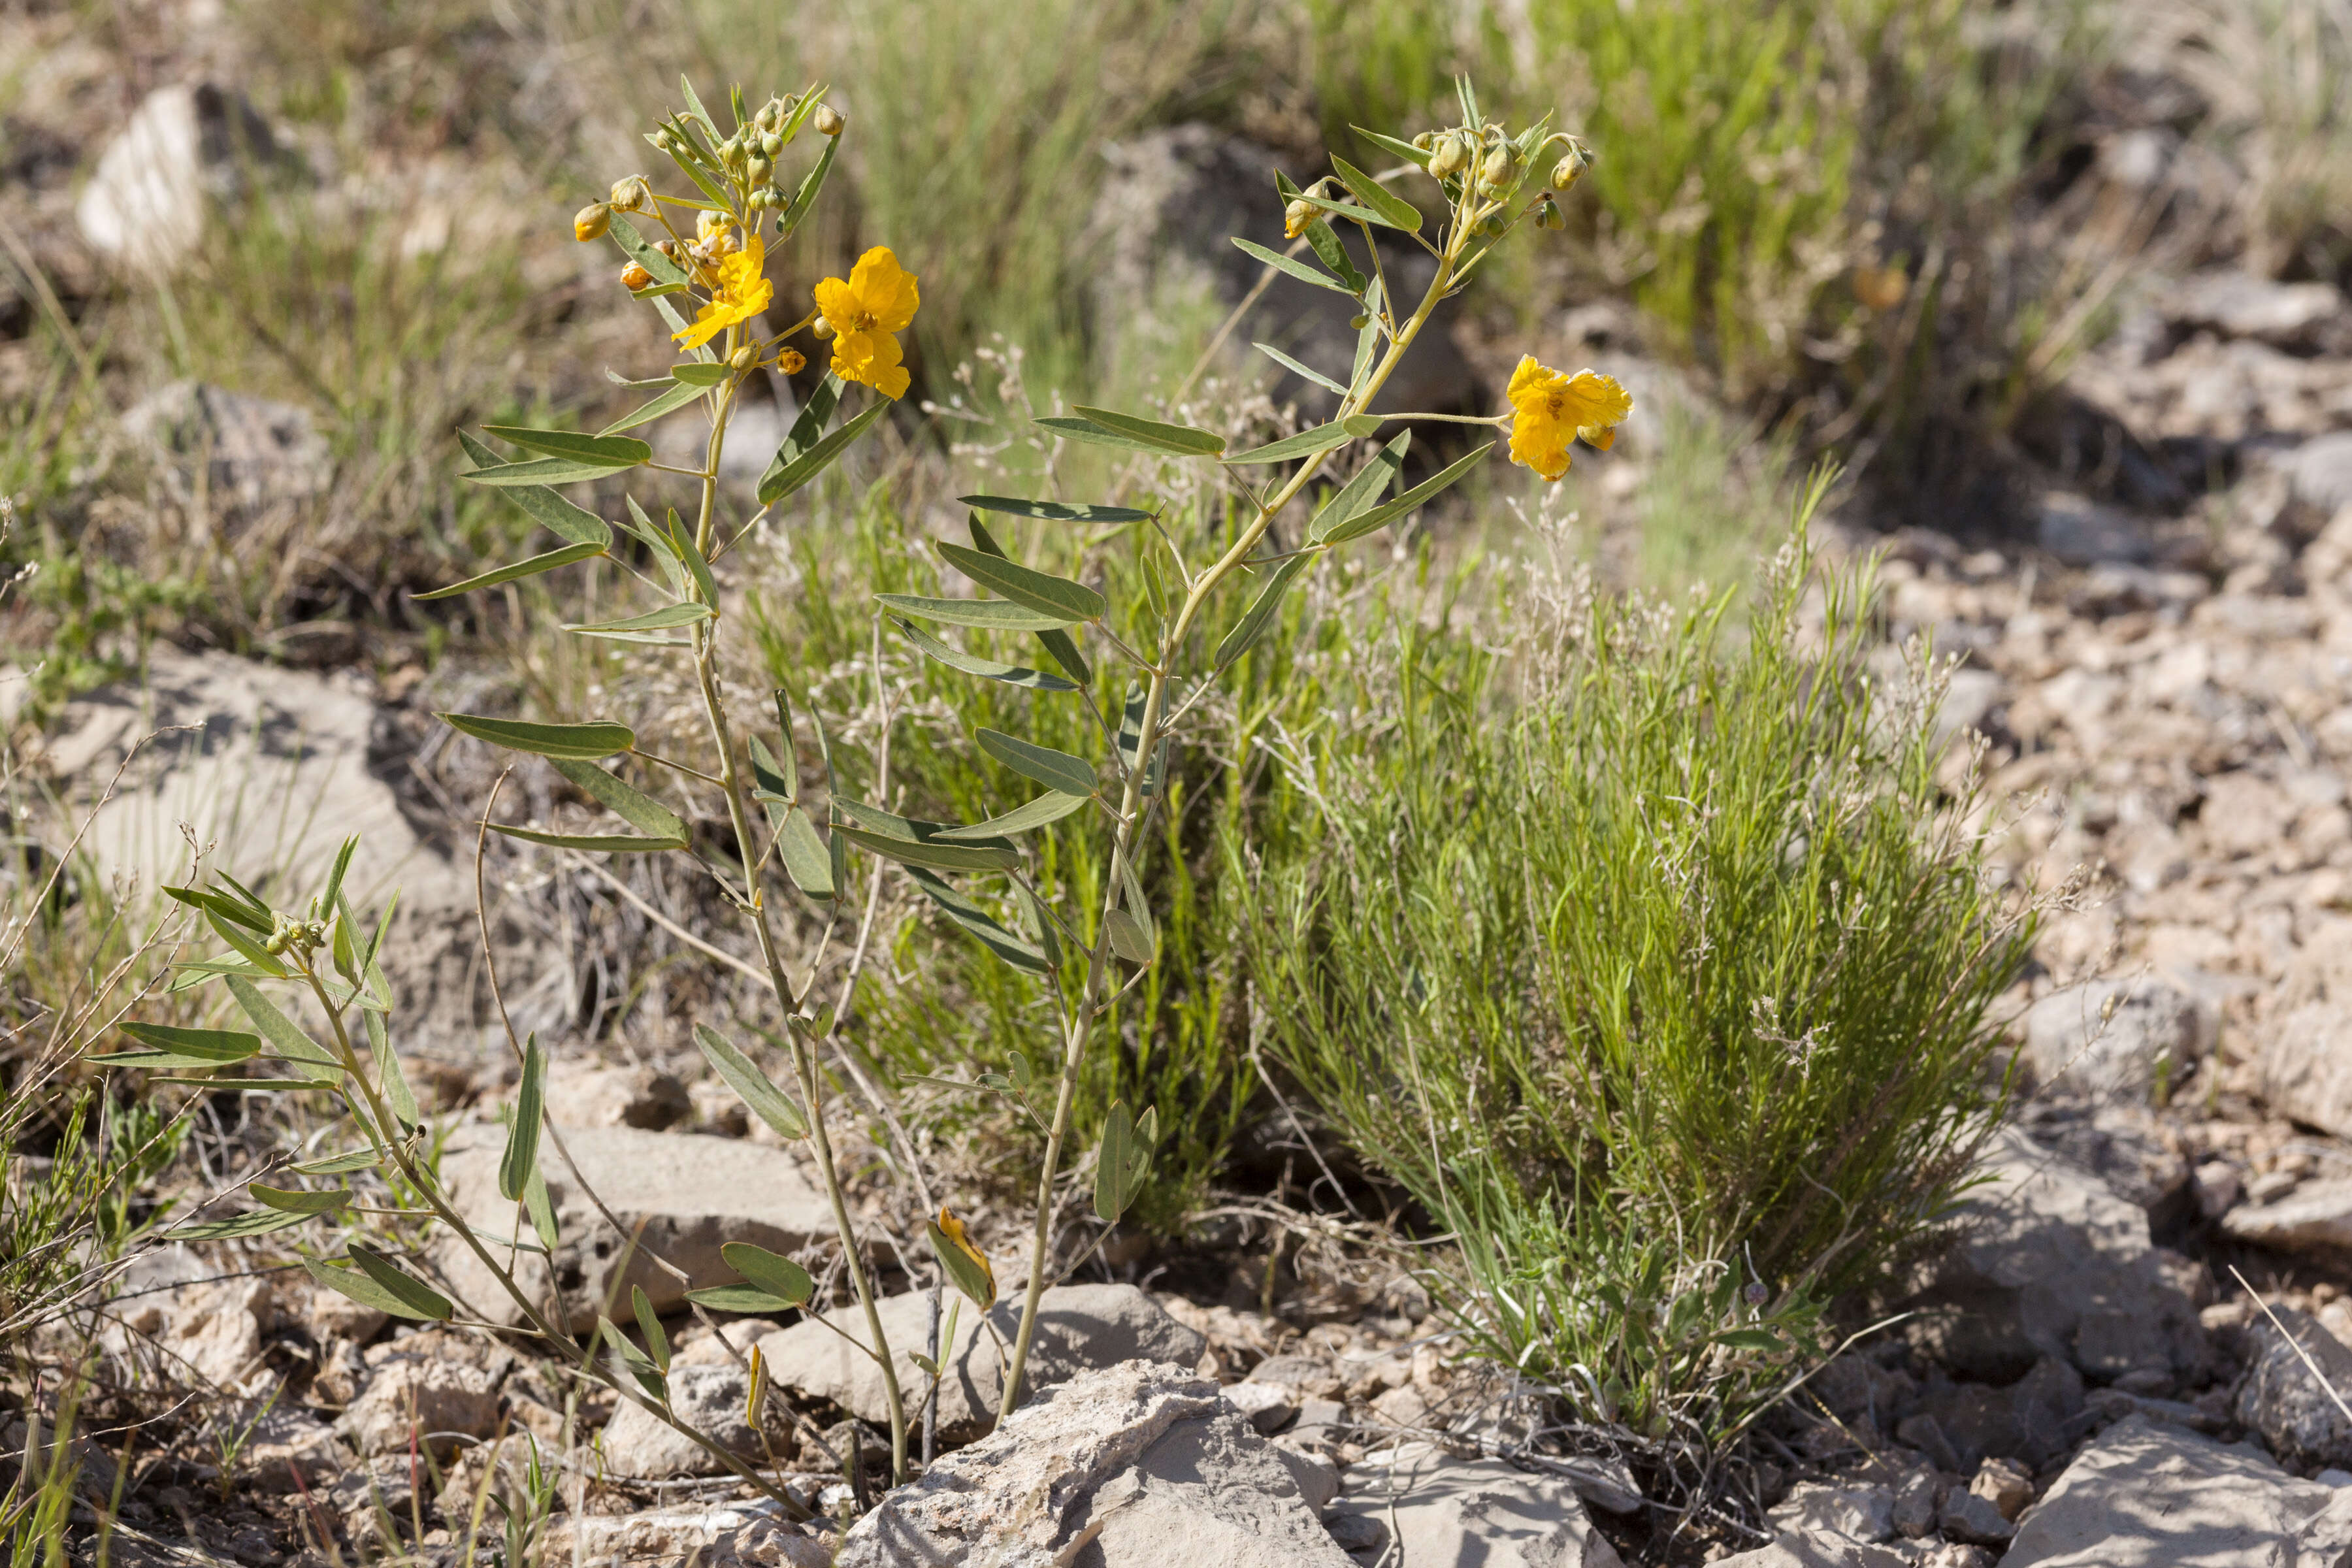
pixel 975 874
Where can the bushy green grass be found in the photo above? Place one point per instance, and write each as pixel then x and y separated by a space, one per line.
pixel 1665 994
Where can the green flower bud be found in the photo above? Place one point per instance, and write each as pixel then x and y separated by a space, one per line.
pixel 1570 169
pixel 631 195
pixel 1548 215
pixel 827 120
pixel 758 170
pixel 772 143
pixel 1424 141
pixel 1451 157
pixel 1495 174
pixel 1360 322
pixel 742 359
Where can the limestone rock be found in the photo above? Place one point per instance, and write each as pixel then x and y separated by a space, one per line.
pixel 693 1193
pixel 2151 1037
pixel 586 1095
pixel 2050 1262
pixel 1136 1466
pixel 289 1441
pixel 2321 472
pixel 1449 1510
pixel 1269 1405
pixel 244 457
pixel 433 1397
pixel 1865 1514
pixel 2241 305
pixel 2285 1403
pixel 1080 1328
pixel 2315 1216
pixel 185 145
pixel 2147 1495
pixel 711 1399
pixel 2083 533
pixel 1978 1520
pixel 1818 1552
pixel 2305 1063
pixel 726 1535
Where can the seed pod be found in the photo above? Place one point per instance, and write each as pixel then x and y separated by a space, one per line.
pixel 634 277
pixel 1295 217
pixel 631 195
pixel 742 359
pixel 1570 169
pixel 1451 156
pixel 592 221
pixel 827 120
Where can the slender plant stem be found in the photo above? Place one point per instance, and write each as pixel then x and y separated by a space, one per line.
pixel 755 910
pixel 1093 996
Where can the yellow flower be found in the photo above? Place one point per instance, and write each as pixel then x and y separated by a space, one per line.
pixel 877 300
pixel 739 294
pixel 1549 410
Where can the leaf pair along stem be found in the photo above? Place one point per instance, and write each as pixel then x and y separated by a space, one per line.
pixel 1133 807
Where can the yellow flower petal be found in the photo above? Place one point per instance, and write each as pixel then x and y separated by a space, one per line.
pixel 886 291
pixel 874 359
pixel 1550 411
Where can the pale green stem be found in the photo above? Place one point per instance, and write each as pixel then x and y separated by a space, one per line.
pixel 1092 998
pixel 756 909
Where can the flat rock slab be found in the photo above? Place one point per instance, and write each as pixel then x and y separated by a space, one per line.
pixel 1080 1328
pixel 1135 1466
pixel 692 1193
pixel 1445 1511
pixel 2152 1496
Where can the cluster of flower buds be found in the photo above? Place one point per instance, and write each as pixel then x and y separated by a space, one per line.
pixel 306 934
pixel 1491 167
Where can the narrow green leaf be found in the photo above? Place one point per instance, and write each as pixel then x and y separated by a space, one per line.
pixel 565 518
pixel 1307 443
pixel 1362 491
pixel 1041 921
pixel 987 615
pixel 340 1164
pixel 934 854
pixel 1183 439
pixel 1294 267
pixel 417 1298
pixel 588 843
pixel 542 1209
pixel 1260 615
pixel 780 481
pixel 689 555
pixel 808 861
pixel 1350 211
pixel 522 1156
pixel 694 106
pixel 747 1299
pixel 257 1222
pixel 808 425
pixel 692 374
pixel 641 1366
pixel 890 825
pixel 780 1277
pixel 1059 643
pixel 751 1085
pixel 334 891
pixel 1316 376
pixel 532 567
pixel 640 811
pixel 1364 522
pixel 805 197
pixel 1368 339
pixel 677 396
pixel 540 472
pixel 252 951
pixel 770 775
pixel 1056 512
pixel 973 664
pixel 609 451
pixel 1119 1164
pixel 1394 210
pixel 633 245
pixel 1052 806
pixel 243 1085
pixel 1054 770
pixel 649 1325
pixel 1405 150
pixel 289 1200
pixel 1332 254
pixel 1039 591
pixel 254 918
pixel 586 742
pixel 1127 937
pixel 174 1046
pixel 990 933
pixel 281 1031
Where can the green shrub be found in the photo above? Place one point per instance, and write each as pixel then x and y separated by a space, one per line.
pixel 1666 996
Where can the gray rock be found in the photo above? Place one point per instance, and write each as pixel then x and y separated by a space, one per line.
pixel 2033 1418
pixel 2050 1262
pixel 1863 1512
pixel 710 1398
pixel 692 1193
pixel 2315 1216
pixel 377 1500
pixel 1916 1499
pixel 2239 305
pixel 1450 1510
pixel 584 1095
pixel 2124 1146
pixel 2005 1484
pixel 1968 1517
pixel 2305 1066
pixel 431 1397
pixel 1080 1328
pixel 1136 1465
pixel 1818 1552
pixel 185 145
pixel 2146 1495
pixel 1270 1406
pixel 2321 472
pixel 725 1535
pixel 2115 1039
pixel 2281 1398
pixel 2082 532
pixel 1163 224
pixel 245 457
pixel 2217 1186
pixel 289 1442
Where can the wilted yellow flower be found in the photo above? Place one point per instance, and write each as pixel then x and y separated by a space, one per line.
pixel 1550 410
pixel 1295 217
pixel 740 293
pixel 634 277
pixel 790 361
pixel 877 300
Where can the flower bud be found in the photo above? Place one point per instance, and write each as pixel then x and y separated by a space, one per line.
pixel 742 359
pixel 1548 215
pixel 592 221
pixel 1360 322
pixel 821 327
pixel 770 144
pixel 667 247
pixel 1495 172
pixel 771 114
pixel 758 170
pixel 632 195
pixel 634 277
pixel 827 120
pixel 1451 156
pixel 1570 169
pixel 1424 141
pixel 1295 217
